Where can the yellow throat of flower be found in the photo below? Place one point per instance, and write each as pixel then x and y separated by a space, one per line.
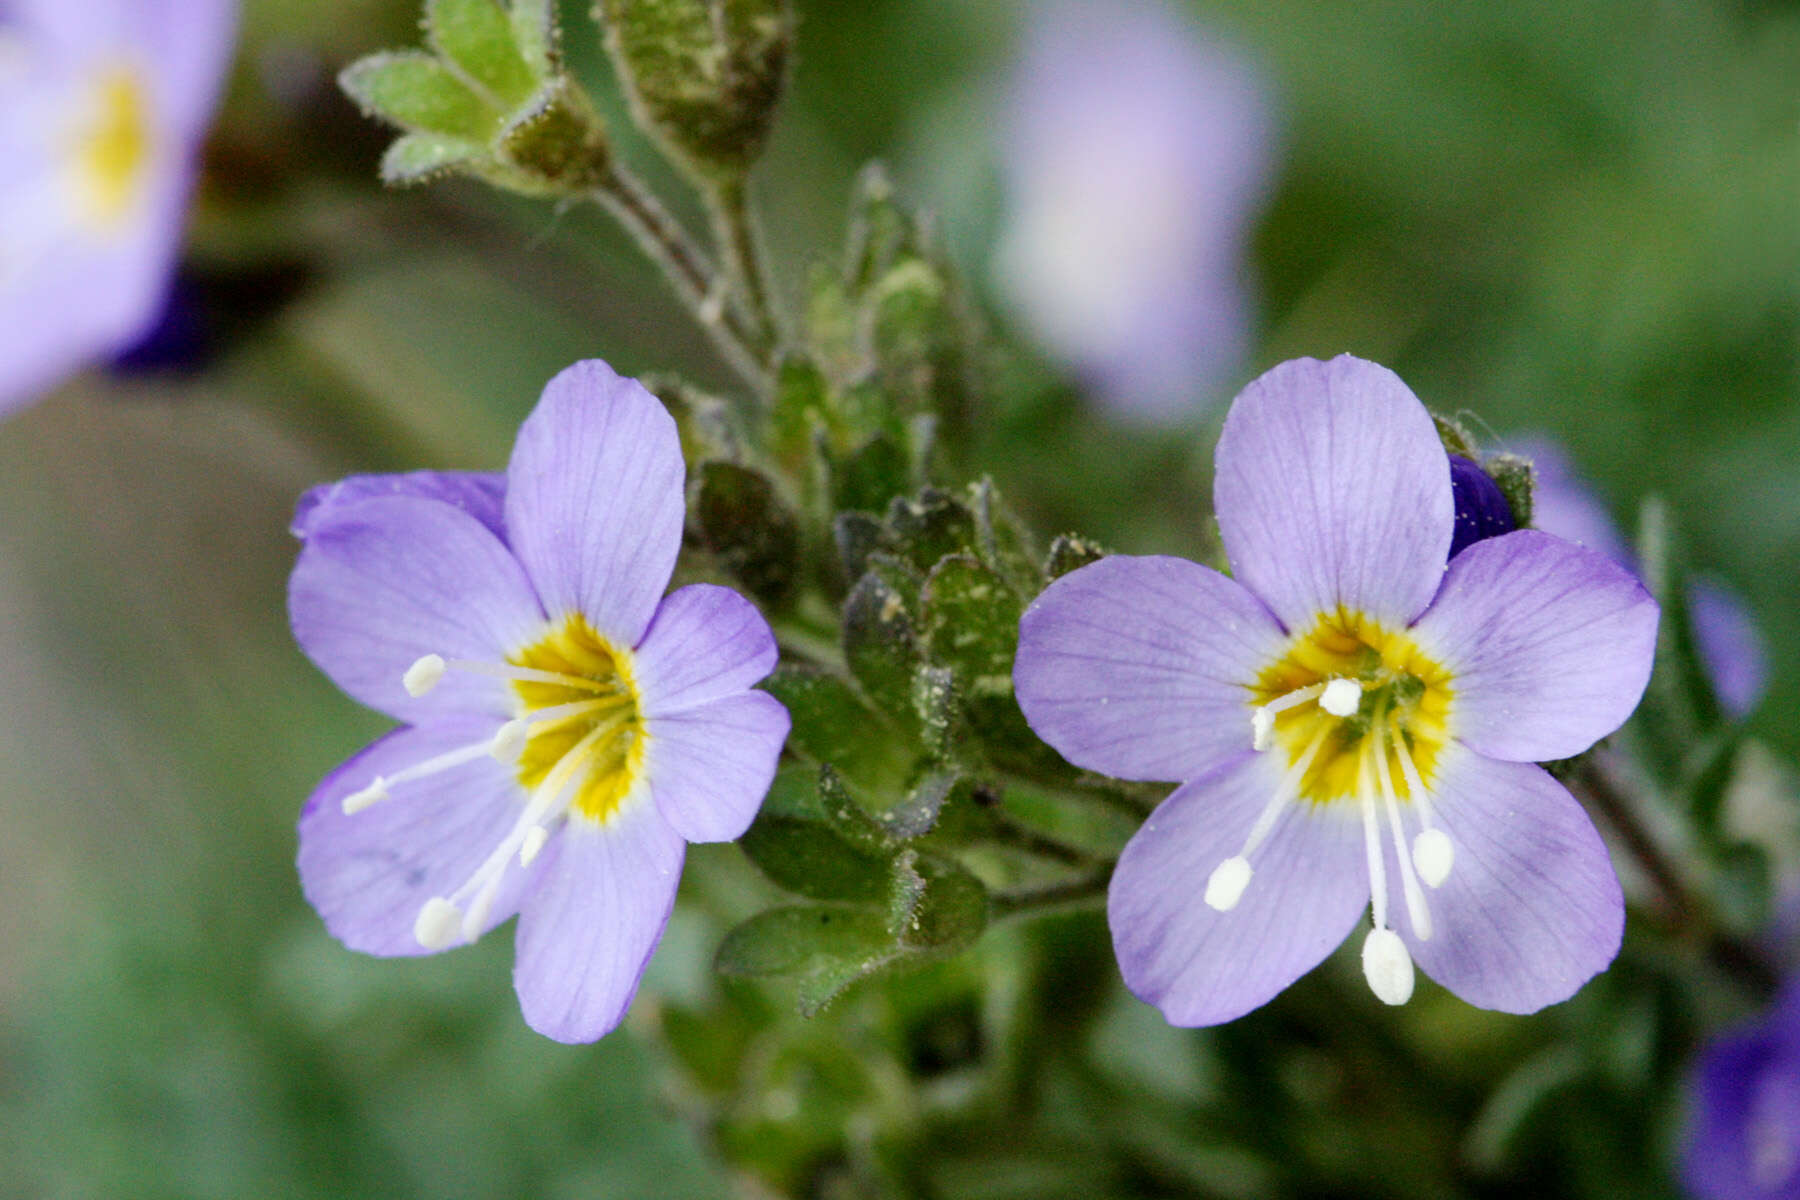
pixel 112 146
pixel 586 733
pixel 1355 702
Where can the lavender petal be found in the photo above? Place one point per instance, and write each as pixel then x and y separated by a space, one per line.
pixel 1549 645
pixel 1203 967
pixel 1333 492
pixel 1140 667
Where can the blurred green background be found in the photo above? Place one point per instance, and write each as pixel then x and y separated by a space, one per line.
pixel 1575 218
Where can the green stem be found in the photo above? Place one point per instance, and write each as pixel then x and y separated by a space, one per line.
pixel 1079 892
pixel 735 231
pixel 1683 909
pixel 695 279
pixel 1007 831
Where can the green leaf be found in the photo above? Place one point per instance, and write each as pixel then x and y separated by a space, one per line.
pixel 534 32
pixel 858 536
pixel 1071 551
pixel 420 157
pixel 833 724
pixel 1002 540
pixel 415 91
pixel 826 947
pixel 799 407
pixel 796 842
pixel 880 230
pixel 870 476
pixel 880 647
pixel 479 37
pixel 930 526
pixel 936 904
pixel 936 700
pixel 970 623
pixel 741 519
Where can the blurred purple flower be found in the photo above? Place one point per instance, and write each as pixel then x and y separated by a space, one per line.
pixel 1342 689
pixel 568 728
pixel 1725 636
pixel 103 104
pixel 1137 151
pixel 1743 1141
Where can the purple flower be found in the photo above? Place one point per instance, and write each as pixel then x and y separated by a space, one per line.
pixel 1743 1140
pixel 1726 639
pixel 103 104
pixel 1137 153
pixel 1352 722
pixel 568 729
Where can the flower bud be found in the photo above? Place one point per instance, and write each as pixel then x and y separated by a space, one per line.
pixel 704 77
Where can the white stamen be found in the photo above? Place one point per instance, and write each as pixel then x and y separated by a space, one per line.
pixel 437 924
pixel 375 793
pixel 423 675
pixel 1442 853
pixel 1262 717
pixel 1416 908
pixel 1262 728
pixel 535 837
pixel 1433 854
pixel 1341 697
pixel 528 675
pixel 1285 791
pixel 1365 797
pixel 548 800
pixel 509 740
pixel 1226 885
pixel 1387 966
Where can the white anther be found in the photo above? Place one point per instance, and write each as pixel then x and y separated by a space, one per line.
pixel 1262 728
pixel 1341 697
pixel 1262 717
pixel 375 793
pixel 1433 853
pixel 509 740
pixel 423 675
pixel 535 837
pixel 1226 885
pixel 1387 966
pixel 438 925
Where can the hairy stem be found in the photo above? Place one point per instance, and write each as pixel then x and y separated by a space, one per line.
pixel 695 279
pixel 735 231
pixel 1007 831
pixel 1079 892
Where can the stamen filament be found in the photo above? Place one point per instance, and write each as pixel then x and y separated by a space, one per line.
pixel 378 790
pixel 529 675
pixel 1225 886
pixel 1285 791
pixel 1365 799
pixel 1262 717
pixel 1416 909
pixel 1433 852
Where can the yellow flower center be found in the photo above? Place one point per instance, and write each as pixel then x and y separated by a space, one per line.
pixel 1402 701
pixel 586 733
pixel 112 147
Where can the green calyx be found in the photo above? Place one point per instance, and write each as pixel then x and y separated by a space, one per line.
pixel 488 98
pixel 705 75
